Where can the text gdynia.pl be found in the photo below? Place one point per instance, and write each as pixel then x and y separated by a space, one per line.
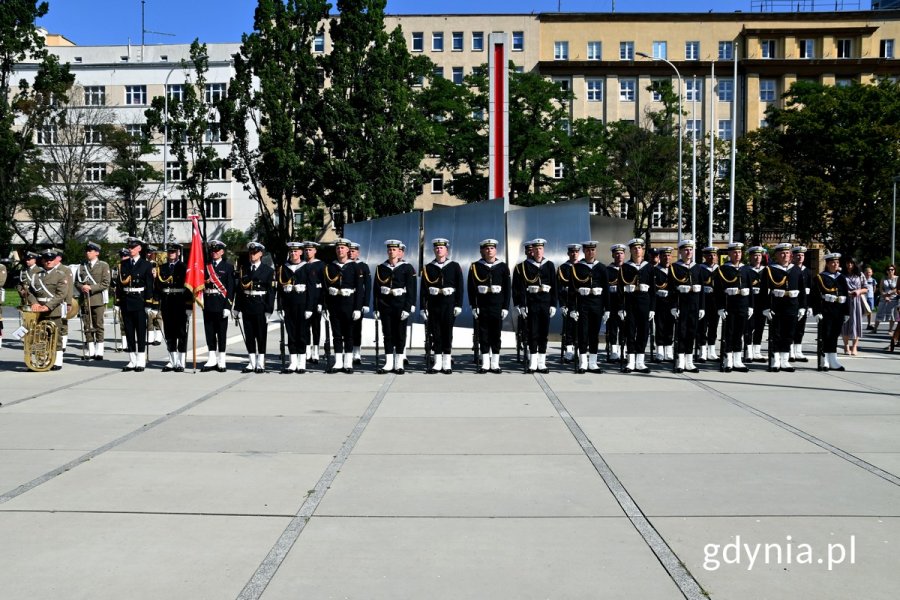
pixel 787 552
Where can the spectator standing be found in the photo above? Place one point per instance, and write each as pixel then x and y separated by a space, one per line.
pixel 856 286
pixel 888 299
pixel 871 285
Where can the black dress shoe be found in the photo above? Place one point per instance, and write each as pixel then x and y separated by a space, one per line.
pixel 380 371
pixel 645 370
pixel 626 370
pixel 528 371
pixel 207 368
pixel 127 368
pixel 544 371
pixel 773 369
pixel 740 369
pixel 167 368
pixel 55 368
pixel 447 371
pixel 699 359
pixel 579 371
pixel 357 361
pixel 98 358
pixel 399 371
pixel 481 371
pixel 155 343
pixel 247 370
pixel 260 370
pixel 287 371
pixel 179 369
pixel 221 369
pixel 802 359
pixel 678 370
pixel 788 369
pixel 348 370
pixel 430 371
pixel 496 371
pixel 839 369
pixel 139 369
pixel 85 357
pixel 300 371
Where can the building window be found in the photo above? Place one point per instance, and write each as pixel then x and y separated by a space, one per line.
pixel 844 48
pixel 693 129
pixel 724 131
pixel 418 41
pixel 95 172
pixel 93 134
pixel 564 83
pixel 215 208
pixel 560 50
pixel 594 50
pixel 438 72
pixel 626 90
pixel 518 41
pixel 478 41
pixel 95 95
pixel 565 125
pixel 657 215
pixel 173 171
pixel 136 95
pixel 626 50
pixel 456 42
pixel 457 75
pixel 558 169
pixel 723 168
pixel 887 49
pixel 176 208
pixel 623 208
pixel 660 50
pixel 437 185
pixel 48 134
pixel 219 173
pixel 807 48
pixel 726 50
pixel 215 92
pixel 693 90
pixel 319 43
pixel 726 90
pixel 213 133
pixel 175 92
pixel 655 89
pixel 437 41
pixel 140 210
pixel 767 48
pixel 767 90
pixel 692 51
pixel 594 89
pixel 135 130
pixel 843 82
pixel 95 209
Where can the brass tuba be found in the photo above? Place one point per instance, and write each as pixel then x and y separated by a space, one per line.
pixel 41 341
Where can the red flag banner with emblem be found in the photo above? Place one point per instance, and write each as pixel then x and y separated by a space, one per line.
pixel 196 269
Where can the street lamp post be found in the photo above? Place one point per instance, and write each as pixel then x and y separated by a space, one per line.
pixel 894 223
pixel 165 193
pixel 680 132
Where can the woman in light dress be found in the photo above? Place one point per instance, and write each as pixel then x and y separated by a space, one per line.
pixel 856 284
pixel 887 306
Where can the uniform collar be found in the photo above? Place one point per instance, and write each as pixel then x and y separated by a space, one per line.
pixel 637 266
pixel 535 263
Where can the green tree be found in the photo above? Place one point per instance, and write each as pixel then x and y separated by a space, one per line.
pixel 131 202
pixel 24 109
pixel 192 133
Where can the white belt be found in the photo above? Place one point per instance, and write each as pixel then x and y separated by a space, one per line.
pixel 131 290
pixel 644 287
pixel 212 290
pixel 778 293
pixel 434 291
pixel 755 290
pixel 831 298
pixel 44 299
pixel 613 289
pixel 397 291
pixel 596 291
pixel 629 288
pixel 341 291
pixel 707 289
pixel 584 291
pixel 842 299
pixel 533 289
pixel 173 290
pixel 662 293
pixel 256 293
pixel 793 293
pixel 746 291
pixel 807 291
pixel 299 287
pixel 684 289
pixel 732 291
pixel 696 288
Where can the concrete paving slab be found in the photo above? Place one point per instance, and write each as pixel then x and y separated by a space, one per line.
pixel 675 404
pixel 483 435
pixel 18 467
pixel 753 484
pixel 48 556
pixel 785 385
pixel 312 383
pixel 869 542
pixel 487 384
pixel 175 482
pixel 673 435
pixel 824 402
pixel 22 431
pixel 471 558
pixel 615 383
pixel 305 435
pixel 77 401
pixel 468 486
pixel 452 403
pixel 852 433
pixel 889 461
pixel 282 403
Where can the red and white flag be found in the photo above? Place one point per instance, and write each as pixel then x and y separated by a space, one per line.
pixel 195 279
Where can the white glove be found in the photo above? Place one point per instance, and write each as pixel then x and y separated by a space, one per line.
pixel 226 314
pixel 357 315
pixel 622 314
pixel 318 308
pixel 457 311
pixel 675 312
pixel 288 288
pixel 377 314
pixel 846 318
pixel 768 314
pixel 809 312
pixel 605 316
pixel 573 315
pixel 552 311
pixel 523 310
pixel 151 314
pixel 187 313
pixel 722 313
pixel 404 315
pixel 503 314
pixel 819 317
pixel 474 313
pixel 308 314
pixel 565 311
pixel 651 315
pixel 800 315
pixel 332 291
pixel 448 291
pixel 701 314
pixel 116 309
pixel 424 315
pixel 365 310
pixel 749 312
pixel 281 315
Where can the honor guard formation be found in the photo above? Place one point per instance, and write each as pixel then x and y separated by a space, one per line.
pixel 665 310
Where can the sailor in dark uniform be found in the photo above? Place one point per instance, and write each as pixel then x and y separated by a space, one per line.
pixel 218 298
pixel 708 327
pixel 757 322
pixel 564 288
pixel 798 254
pixel 734 299
pixel 614 330
pixel 664 321
pixel 315 323
pixel 440 299
pixel 367 293
pixel 687 308
pixel 489 290
pixel 637 289
pixel 343 296
pixel 588 290
pixel 783 295
pixel 255 301
pixel 134 294
pixel 175 305
pixel 295 300
pixel 828 298
pixel 535 296
pixel 394 299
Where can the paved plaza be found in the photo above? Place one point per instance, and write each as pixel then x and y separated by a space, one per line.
pixel 223 485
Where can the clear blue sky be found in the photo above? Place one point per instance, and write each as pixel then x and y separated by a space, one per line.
pixel 98 22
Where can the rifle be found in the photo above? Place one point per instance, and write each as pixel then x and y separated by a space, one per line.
pixel 654 358
pixel 281 343
pixel 429 368
pixel 820 347
pixel 726 322
pixel 769 346
pixel 118 334
pixel 377 342
pixel 526 349
pixel 476 338
pixel 327 315
pixel 86 312
pixel 562 338
pixel 576 356
pixel 676 347
pixel 623 339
